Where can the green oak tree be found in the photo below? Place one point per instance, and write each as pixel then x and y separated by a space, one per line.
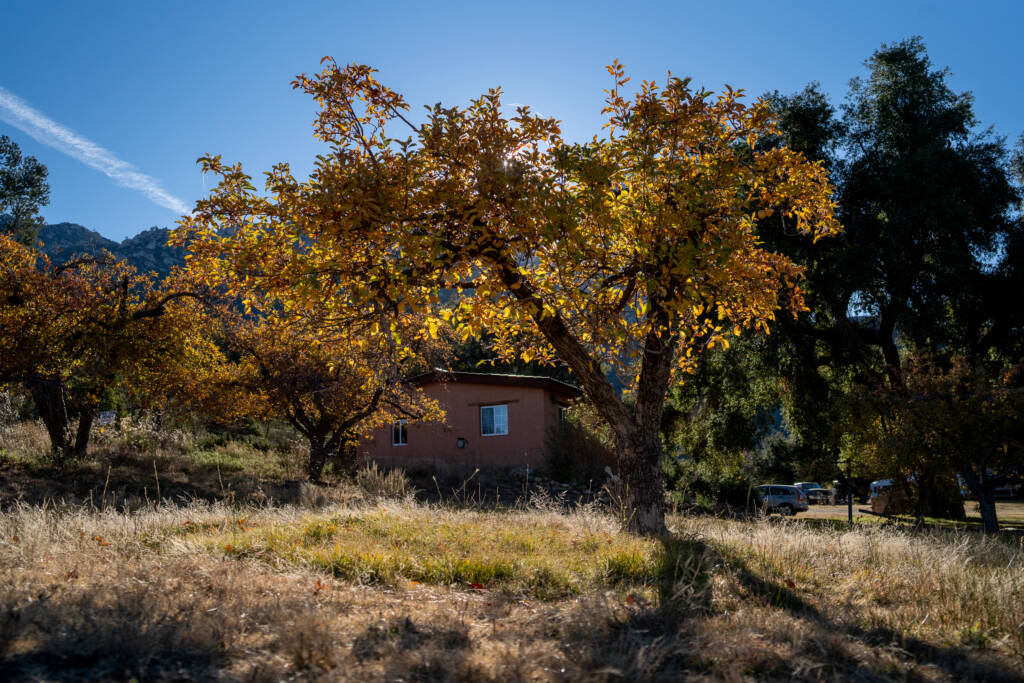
pixel 23 190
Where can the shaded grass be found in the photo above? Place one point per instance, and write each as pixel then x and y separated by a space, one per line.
pixel 947 588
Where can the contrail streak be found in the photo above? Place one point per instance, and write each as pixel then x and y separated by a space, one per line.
pixel 16 112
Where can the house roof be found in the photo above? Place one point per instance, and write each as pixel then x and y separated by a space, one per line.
pixel 553 385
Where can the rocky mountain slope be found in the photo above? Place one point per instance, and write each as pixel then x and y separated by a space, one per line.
pixel 147 251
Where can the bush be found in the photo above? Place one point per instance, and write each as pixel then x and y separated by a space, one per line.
pixel 716 479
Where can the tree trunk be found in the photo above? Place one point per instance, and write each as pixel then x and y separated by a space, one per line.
pixel 636 431
pixel 85 418
pixel 49 400
pixel 318 454
pixel 987 507
pixel 982 488
pixel 643 496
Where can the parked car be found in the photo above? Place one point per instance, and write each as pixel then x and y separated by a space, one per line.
pixel 820 496
pixel 787 500
pixel 1006 490
pixel 807 485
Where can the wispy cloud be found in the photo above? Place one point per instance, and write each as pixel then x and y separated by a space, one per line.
pixel 16 112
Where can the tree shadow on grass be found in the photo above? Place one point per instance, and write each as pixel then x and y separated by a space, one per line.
pixel 682 636
pixel 956 662
pixel 115 642
pixel 422 651
pixel 174 619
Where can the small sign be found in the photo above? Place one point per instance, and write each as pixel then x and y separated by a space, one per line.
pixel 106 417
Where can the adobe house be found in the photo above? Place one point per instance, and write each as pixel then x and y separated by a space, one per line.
pixel 491 421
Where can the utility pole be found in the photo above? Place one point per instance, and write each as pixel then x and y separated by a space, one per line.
pixel 848 484
pixel 849 495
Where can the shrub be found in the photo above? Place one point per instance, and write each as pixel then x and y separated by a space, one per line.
pixel 715 479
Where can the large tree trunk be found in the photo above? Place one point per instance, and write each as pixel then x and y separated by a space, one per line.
pixel 981 487
pixel 643 496
pixel 636 431
pixel 49 400
pixel 987 507
pixel 53 409
pixel 318 454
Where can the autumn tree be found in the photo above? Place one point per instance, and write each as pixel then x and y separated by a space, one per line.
pixel 629 253
pixel 23 190
pixel 332 388
pixel 69 333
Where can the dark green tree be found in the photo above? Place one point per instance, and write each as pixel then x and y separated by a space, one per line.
pixel 929 208
pixel 930 259
pixel 23 190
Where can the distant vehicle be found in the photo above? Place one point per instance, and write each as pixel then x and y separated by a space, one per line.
pixel 1007 490
pixel 786 500
pixel 880 485
pixel 889 499
pixel 820 496
pixel 807 485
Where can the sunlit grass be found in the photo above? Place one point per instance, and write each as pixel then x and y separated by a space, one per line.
pixel 542 556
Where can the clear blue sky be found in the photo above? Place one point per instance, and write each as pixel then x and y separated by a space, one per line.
pixel 155 85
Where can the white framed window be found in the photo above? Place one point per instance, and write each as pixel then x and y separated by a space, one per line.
pixel 493 420
pixel 399 434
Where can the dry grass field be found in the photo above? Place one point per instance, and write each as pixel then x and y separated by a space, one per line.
pixel 186 561
pixel 379 589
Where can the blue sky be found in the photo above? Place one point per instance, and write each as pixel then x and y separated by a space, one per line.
pixel 155 85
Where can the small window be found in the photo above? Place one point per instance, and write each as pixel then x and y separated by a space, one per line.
pixel 493 420
pixel 562 415
pixel 399 435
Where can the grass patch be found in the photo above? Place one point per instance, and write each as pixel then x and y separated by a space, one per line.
pixel 227 462
pixel 543 556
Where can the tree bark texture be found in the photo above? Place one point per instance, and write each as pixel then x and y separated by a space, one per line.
pixel 53 409
pixel 318 454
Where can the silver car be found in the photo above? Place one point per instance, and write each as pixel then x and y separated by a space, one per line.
pixel 782 498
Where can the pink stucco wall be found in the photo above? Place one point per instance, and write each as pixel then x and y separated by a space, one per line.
pixel 531 414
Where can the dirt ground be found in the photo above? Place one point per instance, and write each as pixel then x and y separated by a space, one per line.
pixel 1011 513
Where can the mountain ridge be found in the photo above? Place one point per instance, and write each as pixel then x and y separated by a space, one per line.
pixel 147 251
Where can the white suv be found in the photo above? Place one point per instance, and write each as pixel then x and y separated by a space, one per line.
pixel 782 498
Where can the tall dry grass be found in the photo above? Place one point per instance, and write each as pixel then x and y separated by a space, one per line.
pixel 154 594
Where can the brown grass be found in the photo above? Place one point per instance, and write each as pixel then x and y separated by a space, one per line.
pixel 154 594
